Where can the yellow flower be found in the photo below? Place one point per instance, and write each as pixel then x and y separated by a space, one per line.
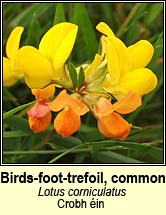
pixel 68 121
pixel 126 65
pixel 110 123
pixel 11 71
pixel 41 66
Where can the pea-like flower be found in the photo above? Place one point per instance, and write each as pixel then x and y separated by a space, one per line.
pixel 126 65
pixel 68 120
pixel 110 123
pixel 44 65
pixel 39 116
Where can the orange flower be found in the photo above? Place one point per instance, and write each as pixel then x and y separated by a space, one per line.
pixel 110 123
pixel 68 120
pixel 39 116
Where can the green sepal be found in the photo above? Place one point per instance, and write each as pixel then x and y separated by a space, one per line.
pixel 81 77
pixel 73 74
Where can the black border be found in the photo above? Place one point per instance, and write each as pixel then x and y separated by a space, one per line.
pixel 146 164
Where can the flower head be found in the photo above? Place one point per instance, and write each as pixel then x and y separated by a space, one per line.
pixel 126 65
pixel 11 70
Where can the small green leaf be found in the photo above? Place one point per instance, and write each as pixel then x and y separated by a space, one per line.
pixel 15 110
pixel 33 39
pixel 87 30
pixel 73 74
pixel 153 13
pixel 9 134
pixel 21 125
pixel 112 157
pixel 81 77
pixel 24 18
pixel 59 14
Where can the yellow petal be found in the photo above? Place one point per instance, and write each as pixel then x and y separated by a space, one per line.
pixel 67 122
pixel 141 81
pixel 58 42
pixel 10 76
pixel 140 53
pixel 45 92
pixel 113 62
pixel 103 42
pixel 93 66
pixel 13 42
pixel 118 56
pixel 37 69
pixel 114 126
pixel 116 90
pixel 104 29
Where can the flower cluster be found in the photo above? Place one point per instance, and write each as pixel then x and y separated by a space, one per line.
pixel 111 85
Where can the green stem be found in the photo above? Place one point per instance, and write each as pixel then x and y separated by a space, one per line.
pixel 15 110
pixel 52 152
pixel 46 138
pixel 128 19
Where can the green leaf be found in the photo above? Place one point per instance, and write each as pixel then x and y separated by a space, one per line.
pixel 64 153
pixel 81 18
pixel 112 157
pixel 59 14
pixel 138 10
pixel 154 152
pixel 33 39
pixel 153 13
pixel 25 17
pixel 81 77
pixel 8 96
pixel 73 74
pixel 143 148
pixel 9 134
pixel 22 124
pixel 15 110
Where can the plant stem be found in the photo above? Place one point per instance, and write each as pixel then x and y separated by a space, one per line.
pixel 127 20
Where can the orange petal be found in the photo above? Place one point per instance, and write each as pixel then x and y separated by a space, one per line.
pixel 40 124
pixel 39 110
pixel 64 99
pixel 59 102
pixel 45 92
pixel 114 126
pixel 128 104
pixel 67 122
pixel 78 107
pixel 102 105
